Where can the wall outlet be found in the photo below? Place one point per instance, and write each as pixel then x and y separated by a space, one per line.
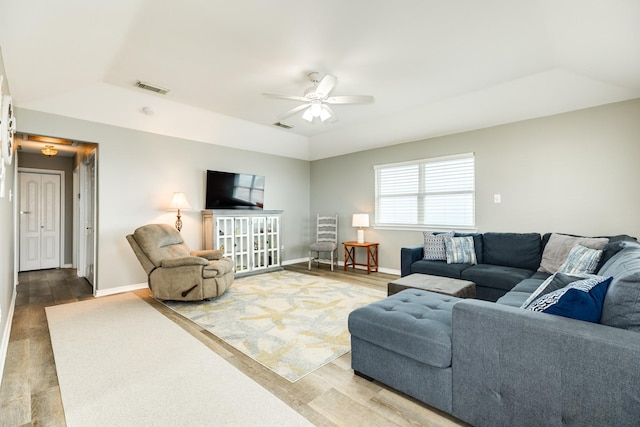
pixel 497 198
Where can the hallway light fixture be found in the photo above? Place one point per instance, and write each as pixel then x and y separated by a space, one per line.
pixel 360 220
pixel 49 150
pixel 179 201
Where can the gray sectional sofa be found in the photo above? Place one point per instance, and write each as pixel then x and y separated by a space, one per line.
pixel 496 364
pixel 503 261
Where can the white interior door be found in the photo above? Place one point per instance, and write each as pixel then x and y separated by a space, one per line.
pixel 89 194
pixel 39 221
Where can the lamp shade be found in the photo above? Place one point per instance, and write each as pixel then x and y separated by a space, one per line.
pixel 360 220
pixel 179 201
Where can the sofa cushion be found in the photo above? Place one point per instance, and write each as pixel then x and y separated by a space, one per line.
pixel 495 276
pixel 460 250
pixel 581 300
pixel 439 268
pixel 581 260
pixel 413 323
pixel 520 250
pixel 559 245
pixel 520 292
pixel 622 304
pixel 434 248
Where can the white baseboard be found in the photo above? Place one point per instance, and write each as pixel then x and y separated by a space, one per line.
pixel 4 345
pixel 120 289
pixel 295 261
pixel 67 266
pixel 341 264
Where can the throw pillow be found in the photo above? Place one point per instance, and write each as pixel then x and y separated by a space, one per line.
pixel 460 250
pixel 434 249
pixel 558 247
pixel 581 300
pixel 552 283
pixel 581 260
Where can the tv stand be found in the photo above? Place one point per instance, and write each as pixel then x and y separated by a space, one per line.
pixel 250 237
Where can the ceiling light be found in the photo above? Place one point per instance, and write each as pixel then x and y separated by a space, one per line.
pixel 308 115
pixel 325 114
pixel 49 150
pixel 316 108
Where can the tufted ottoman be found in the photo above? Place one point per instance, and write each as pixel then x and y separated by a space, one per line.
pixel 404 341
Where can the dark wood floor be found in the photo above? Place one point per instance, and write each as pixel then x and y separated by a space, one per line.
pixel 330 396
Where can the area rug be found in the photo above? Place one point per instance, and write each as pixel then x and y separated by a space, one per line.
pixel 292 323
pixel 120 362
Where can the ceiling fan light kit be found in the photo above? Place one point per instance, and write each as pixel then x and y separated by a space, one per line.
pixel 316 99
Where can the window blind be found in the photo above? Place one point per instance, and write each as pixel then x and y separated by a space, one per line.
pixel 437 192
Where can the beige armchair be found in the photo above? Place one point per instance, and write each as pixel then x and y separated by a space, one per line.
pixel 176 273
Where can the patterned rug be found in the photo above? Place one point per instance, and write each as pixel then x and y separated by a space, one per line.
pixel 292 323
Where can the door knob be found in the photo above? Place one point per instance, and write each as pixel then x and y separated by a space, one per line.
pixel 24 212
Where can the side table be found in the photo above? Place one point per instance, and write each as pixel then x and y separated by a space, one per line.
pixel 372 255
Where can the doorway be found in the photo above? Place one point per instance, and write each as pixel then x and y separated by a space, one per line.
pixel 76 165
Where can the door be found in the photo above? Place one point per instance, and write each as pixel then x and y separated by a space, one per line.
pixel 39 221
pixel 89 218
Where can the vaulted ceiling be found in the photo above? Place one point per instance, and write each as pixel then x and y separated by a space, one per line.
pixel 434 67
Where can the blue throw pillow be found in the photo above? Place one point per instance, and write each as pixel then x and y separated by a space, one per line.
pixel 581 260
pixel 460 250
pixel 581 300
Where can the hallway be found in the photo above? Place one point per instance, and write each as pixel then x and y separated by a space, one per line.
pixel 29 393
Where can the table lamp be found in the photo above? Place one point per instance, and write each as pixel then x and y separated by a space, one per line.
pixel 179 201
pixel 360 220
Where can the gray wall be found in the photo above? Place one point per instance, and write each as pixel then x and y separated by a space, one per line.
pixel 7 250
pixel 573 173
pixel 139 171
pixel 59 163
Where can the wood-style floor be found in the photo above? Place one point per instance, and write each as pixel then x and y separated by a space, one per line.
pixel 329 396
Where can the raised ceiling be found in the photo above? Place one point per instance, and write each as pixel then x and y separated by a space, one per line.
pixel 434 67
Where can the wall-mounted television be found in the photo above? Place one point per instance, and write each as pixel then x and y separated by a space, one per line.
pixel 228 190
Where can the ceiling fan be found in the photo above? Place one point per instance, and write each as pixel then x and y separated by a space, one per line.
pixel 316 99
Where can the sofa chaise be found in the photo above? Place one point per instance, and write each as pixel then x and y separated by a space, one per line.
pixel 498 364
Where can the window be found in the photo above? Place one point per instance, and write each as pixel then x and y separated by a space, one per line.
pixel 435 193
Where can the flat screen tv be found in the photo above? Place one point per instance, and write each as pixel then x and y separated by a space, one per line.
pixel 228 190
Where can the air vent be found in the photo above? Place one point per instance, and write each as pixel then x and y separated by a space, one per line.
pixel 152 88
pixel 282 125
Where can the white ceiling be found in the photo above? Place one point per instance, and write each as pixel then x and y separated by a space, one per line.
pixel 434 67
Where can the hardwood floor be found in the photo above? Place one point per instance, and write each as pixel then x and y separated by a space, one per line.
pixel 329 396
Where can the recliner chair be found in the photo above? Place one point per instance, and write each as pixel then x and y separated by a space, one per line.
pixel 176 273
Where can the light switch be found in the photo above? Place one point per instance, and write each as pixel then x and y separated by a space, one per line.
pixel 497 198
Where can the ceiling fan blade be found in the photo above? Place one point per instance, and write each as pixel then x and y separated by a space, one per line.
pixel 292 111
pixel 349 99
pixel 326 85
pixel 292 97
